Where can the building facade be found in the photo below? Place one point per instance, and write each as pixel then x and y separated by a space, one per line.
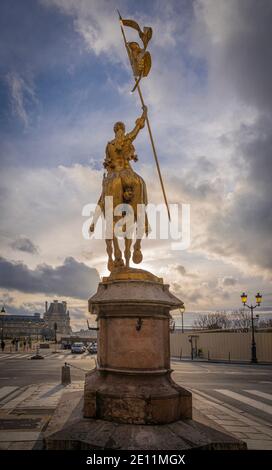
pixel 56 318
pixel 17 326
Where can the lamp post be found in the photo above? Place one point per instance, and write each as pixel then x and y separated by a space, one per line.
pixel 182 310
pixel 3 312
pixel 258 297
pixel 55 329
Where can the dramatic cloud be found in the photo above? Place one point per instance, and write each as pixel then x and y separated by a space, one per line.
pixel 235 36
pixel 24 244
pixel 21 93
pixel 94 21
pixel 209 94
pixel 232 35
pixel 183 272
pixel 181 269
pixel 24 309
pixel 229 281
pixel 72 279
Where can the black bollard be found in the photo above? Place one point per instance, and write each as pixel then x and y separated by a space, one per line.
pixel 65 375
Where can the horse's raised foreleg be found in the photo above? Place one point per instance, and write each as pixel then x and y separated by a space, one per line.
pixel 137 254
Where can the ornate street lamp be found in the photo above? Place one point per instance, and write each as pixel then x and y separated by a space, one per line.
pixel 258 299
pixel 244 298
pixel 252 307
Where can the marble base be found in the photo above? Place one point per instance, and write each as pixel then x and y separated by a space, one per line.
pixel 69 430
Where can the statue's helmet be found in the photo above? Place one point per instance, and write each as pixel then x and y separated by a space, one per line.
pixel 134 46
pixel 119 125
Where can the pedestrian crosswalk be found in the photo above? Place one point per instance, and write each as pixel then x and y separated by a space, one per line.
pixel 35 396
pixel 236 413
pixel 47 355
pixel 258 393
pixel 249 401
pixel 4 391
pixel 256 403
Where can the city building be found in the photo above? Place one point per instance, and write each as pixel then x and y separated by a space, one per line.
pixel 56 319
pixel 13 326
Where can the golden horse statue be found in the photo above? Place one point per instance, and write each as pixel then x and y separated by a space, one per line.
pixel 125 186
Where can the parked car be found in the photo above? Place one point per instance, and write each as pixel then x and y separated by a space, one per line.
pixel 78 348
pixel 92 348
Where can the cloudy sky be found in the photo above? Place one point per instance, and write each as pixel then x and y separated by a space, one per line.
pixel 64 81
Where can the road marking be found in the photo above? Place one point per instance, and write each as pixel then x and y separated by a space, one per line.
pixel 56 355
pixel 267 396
pixel 180 370
pixel 237 414
pixel 7 356
pixel 4 391
pixel 25 394
pixel 246 400
pixel 13 356
pixel 49 356
pixel 52 356
pixel 16 356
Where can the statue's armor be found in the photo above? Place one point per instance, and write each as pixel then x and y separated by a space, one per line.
pixel 120 174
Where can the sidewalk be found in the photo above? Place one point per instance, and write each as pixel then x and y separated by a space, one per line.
pixel 26 411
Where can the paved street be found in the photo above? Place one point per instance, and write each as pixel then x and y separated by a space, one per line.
pixel 237 398
pixel 18 369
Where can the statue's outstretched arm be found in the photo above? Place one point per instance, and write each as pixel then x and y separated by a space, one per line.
pixel 139 124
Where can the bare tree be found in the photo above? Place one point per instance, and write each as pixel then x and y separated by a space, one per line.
pixel 265 323
pixel 212 321
pixel 240 320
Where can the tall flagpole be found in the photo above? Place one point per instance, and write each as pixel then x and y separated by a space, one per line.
pixel 147 121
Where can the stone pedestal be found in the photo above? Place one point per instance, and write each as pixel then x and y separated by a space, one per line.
pixel 68 430
pixel 130 400
pixel 132 382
